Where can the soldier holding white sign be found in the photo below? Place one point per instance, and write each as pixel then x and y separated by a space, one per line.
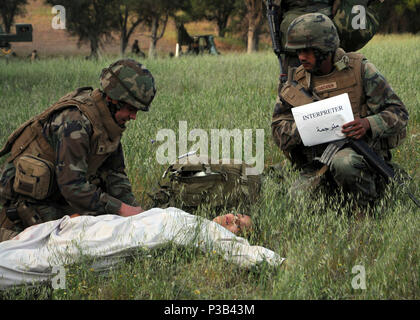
pixel 380 117
pixel 320 122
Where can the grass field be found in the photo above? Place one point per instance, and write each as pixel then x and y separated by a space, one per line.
pixel 238 91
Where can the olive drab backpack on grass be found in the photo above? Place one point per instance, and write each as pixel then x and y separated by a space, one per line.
pixel 221 185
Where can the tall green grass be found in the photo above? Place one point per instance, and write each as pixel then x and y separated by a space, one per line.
pixel 238 91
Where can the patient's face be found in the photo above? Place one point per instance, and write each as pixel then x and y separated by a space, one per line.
pixel 234 223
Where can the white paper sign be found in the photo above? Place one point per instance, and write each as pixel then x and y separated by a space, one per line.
pixel 321 121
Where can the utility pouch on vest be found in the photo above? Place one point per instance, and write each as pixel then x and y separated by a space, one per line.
pixel 216 185
pixel 292 94
pixel 34 177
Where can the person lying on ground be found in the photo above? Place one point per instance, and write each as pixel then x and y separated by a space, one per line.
pixel 106 239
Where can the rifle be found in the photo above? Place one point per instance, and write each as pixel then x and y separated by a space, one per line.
pixel 378 164
pixel 274 26
pixel 362 148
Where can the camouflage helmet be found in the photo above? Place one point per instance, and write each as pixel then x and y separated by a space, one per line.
pixel 129 81
pixel 312 30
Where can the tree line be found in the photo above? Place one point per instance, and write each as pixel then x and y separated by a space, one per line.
pixel 94 21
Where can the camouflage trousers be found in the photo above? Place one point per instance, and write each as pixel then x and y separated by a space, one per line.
pixel 348 171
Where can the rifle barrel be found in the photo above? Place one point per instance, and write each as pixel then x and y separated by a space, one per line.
pixel 274 26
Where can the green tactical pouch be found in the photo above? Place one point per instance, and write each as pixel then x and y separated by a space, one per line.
pixel 348 19
pixel 217 185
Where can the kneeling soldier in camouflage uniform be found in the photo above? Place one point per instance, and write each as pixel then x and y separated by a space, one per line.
pixel 69 158
pixel 327 71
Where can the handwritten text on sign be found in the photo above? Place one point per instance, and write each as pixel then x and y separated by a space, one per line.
pixel 321 121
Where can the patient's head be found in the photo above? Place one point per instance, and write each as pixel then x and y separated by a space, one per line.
pixel 235 223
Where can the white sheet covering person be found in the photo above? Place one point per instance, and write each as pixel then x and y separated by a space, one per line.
pixel 31 255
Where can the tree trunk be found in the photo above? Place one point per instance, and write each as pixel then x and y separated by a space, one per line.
pixel 123 25
pixel 394 24
pixel 154 37
pixel 256 39
pixel 126 32
pixel 152 49
pixel 404 26
pixel 8 15
pixel 221 26
pixel 94 46
pixel 254 16
pixel 251 44
pixel 253 38
pixel 123 45
pixel 8 20
pixel 125 37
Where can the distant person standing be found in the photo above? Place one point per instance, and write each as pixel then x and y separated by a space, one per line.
pixel 136 49
pixel 34 55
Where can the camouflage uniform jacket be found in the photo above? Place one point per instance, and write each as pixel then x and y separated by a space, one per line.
pixel 89 174
pixel 371 96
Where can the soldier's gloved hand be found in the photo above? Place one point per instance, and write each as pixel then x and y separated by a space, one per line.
pixel 357 128
pixel 127 211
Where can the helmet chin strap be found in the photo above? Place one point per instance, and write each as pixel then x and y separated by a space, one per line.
pixel 113 108
pixel 320 57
